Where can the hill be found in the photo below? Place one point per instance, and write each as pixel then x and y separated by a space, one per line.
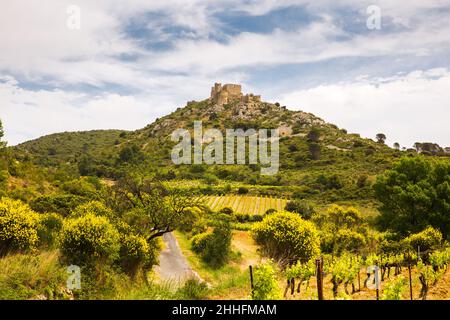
pixel 67 147
pixel 318 160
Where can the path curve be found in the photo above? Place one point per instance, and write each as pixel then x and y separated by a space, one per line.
pixel 173 265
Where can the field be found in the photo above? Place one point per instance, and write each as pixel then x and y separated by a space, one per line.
pixel 245 204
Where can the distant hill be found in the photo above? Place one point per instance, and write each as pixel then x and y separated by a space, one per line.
pixel 67 147
pixel 318 159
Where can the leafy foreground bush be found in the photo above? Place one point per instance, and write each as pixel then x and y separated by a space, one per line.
pixel 265 283
pixel 415 195
pixel 18 226
pixel 193 289
pixel 428 239
pixel 50 224
pixel 89 238
pixel 305 209
pixel 95 207
pixel 287 237
pixel 137 253
pixel 214 247
pixel 393 290
pixel 26 276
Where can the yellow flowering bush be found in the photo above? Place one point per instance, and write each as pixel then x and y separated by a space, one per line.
pixel 136 252
pixel 95 207
pixel 18 226
pixel 89 238
pixel 286 236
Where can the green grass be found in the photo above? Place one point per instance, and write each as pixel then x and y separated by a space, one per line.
pixel 228 282
pixel 32 276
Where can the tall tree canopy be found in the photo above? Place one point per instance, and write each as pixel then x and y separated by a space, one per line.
pixel 152 207
pixel 381 138
pixel 415 194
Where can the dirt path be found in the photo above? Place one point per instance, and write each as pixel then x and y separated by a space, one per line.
pixel 173 265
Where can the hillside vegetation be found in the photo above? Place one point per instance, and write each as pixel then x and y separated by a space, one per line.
pixel 102 200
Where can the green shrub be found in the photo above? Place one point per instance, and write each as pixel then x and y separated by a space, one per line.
pixel 256 218
pixel 189 219
pixel 89 238
pixel 429 238
pixel 218 244
pixel 214 246
pixel 18 226
pixel 85 187
pixel 200 226
pixel 62 204
pixel 414 194
pixel 393 291
pixel 193 289
pixel 226 210
pixel 94 207
pixel 199 242
pixel 50 225
pixel 242 217
pixel 286 236
pixel 348 240
pixel 305 209
pixel 265 286
pixel 242 190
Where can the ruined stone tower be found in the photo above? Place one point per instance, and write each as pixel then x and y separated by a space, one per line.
pixel 224 94
pixel 227 93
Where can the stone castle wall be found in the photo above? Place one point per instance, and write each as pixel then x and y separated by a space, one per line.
pixel 227 93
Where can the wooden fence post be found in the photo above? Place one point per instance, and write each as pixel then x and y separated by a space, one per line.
pixel 377 282
pixel 251 279
pixel 410 281
pixel 359 280
pixel 319 271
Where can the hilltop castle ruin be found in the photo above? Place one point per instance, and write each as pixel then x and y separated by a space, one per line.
pixel 227 93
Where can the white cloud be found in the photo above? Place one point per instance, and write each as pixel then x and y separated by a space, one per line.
pixel 409 108
pixel 28 114
pixel 37 48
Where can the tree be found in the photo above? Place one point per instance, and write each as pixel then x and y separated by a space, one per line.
pixel 425 240
pixel 214 246
pixel 86 166
pixel 286 237
pixel 381 138
pixel 219 243
pixel 397 146
pixel 150 207
pixel 131 154
pixel 242 190
pixel 314 135
pixel 415 194
pixel 304 208
pixel 314 150
pixel 341 229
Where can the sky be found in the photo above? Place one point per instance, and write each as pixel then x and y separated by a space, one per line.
pixel 366 66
